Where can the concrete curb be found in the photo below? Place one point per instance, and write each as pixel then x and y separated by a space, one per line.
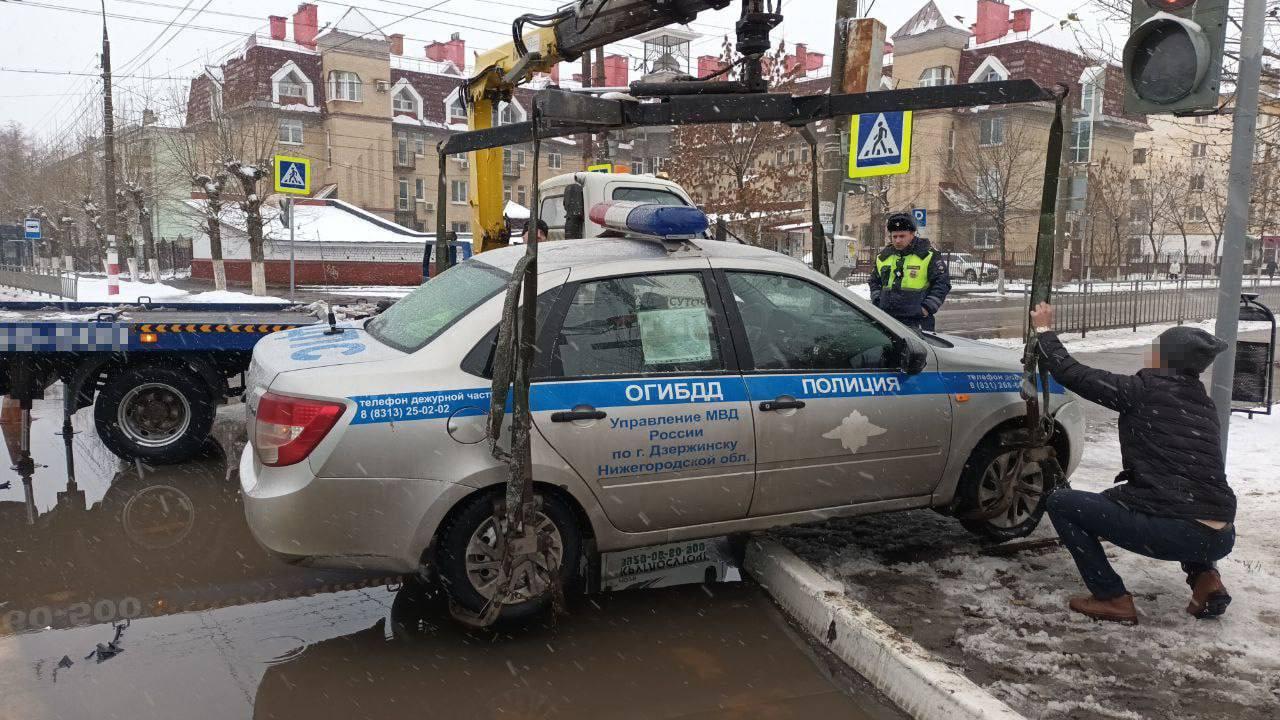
pixel 920 684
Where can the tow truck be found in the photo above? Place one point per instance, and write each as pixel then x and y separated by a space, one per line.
pixel 741 97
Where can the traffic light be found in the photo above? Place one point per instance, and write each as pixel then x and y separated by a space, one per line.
pixel 1173 58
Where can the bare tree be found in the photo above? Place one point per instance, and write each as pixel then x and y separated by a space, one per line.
pixel 999 169
pixel 250 176
pixel 1109 208
pixel 740 170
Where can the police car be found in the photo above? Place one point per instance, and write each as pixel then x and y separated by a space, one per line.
pixel 683 389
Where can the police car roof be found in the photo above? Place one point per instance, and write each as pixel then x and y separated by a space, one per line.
pixel 558 254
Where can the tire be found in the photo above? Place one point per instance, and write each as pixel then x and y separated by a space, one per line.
pixel 979 489
pixel 474 521
pixel 158 415
pixel 970 276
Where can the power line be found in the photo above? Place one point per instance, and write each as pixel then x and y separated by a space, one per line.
pixel 37 71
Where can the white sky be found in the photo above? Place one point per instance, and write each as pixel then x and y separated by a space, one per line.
pixel 63 40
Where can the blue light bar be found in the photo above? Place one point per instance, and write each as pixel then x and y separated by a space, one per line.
pixel 669 222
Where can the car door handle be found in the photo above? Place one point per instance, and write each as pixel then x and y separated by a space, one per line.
pixel 771 405
pixel 571 415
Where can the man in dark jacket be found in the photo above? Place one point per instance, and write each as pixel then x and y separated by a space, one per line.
pixel 910 280
pixel 1172 501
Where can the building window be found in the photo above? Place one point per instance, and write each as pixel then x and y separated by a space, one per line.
pixel 991 130
pixel 937 76
pixel 420 189
pixel 985 236
pixel 1082 141
pixel 522 197
pixel 344 85
pixel 1197 183
pixel 506 194
pixel 508 114
pixel 1137 186
pixel 804 155
pixel 419 144
pixel 290 132
pixel 988 184
pixel 460 228
pixel 458 192
pixel 291 86
pixel 1139 156
pixel 1202 120
pixel 554 161
pixel 215 101
pixel 402 198
pixel 404 103
pixel 992 76
pixel 1196 213
pixel 1199 150
pixel 457 111
pixel 461 159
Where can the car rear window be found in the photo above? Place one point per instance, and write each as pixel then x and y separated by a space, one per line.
pixel 428 311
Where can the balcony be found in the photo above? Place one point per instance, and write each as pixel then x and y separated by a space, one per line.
pixel 511 169
pixel 407 218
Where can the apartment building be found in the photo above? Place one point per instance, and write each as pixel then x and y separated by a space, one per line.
pixel 979 171
pixel 367 112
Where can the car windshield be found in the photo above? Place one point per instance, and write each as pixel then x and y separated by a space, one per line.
pixel 428 311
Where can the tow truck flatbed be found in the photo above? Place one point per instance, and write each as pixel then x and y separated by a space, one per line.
pixel 154 374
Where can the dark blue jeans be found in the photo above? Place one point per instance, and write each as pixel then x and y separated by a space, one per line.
pixel 1083 518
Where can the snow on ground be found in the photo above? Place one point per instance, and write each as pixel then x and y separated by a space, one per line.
pixel 1098 340
pixel 94 289
pixel 364 291
pixel 1001 617
pixel 988 290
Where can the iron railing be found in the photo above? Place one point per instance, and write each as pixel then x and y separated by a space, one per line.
pixel 53 283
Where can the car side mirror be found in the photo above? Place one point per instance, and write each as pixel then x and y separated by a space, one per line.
pixel 575 212
pixel 912 356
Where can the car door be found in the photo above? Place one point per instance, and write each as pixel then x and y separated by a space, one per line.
pixel 641 395
pixel 836 423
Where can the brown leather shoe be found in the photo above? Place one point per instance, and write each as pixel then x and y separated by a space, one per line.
pixel 1209 597
pixel 1120 609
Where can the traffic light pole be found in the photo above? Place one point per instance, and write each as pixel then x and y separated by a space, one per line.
pixel 1238 191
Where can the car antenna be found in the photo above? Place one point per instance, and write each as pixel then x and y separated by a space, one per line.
pixel 333 321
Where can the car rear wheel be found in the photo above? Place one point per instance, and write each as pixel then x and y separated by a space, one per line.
pixel 970 275
pixel 1002 496
pixel 155 414
pixel 470 556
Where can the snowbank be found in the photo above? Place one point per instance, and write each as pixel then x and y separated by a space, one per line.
pixel 94 289
pixel 1098 340
pixel 1001 616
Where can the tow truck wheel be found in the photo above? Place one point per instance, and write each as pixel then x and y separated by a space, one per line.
pixel 155 414
pixel 1008 495
pixel 470 550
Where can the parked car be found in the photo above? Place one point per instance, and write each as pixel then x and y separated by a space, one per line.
pixel 967 267
pixel 682 390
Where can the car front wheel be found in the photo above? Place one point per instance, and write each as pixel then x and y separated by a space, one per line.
pixel 970 275
pixel 471 549
pixel 1002 495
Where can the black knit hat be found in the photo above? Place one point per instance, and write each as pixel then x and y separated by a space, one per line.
pixel 901 222
pixel 1188 349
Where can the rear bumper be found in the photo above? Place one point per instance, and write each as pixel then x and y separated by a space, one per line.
pixel 373 524
pixel 1071 417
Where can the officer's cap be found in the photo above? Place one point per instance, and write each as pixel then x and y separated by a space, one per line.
pixel 901 222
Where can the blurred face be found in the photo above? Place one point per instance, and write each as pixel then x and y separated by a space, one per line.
pixel 902 239
pixel 1151 357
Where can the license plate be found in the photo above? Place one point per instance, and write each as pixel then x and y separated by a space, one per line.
pixel 681 563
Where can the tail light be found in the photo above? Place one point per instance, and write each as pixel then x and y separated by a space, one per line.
pixel 289 428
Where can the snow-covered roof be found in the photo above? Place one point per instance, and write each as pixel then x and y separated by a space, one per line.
pixel 1054 35
pixel 958 198
pixel 326 220
pixel 927 18
pixel 354 22
pixel 515 211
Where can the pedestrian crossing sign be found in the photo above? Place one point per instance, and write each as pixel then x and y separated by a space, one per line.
pixel 880 144
pixel 293 175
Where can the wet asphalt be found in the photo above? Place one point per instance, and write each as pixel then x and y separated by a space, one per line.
pixel 129 591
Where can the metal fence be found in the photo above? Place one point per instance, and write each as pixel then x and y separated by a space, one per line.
pixel 48 282
pixel 1128 305
pixel 174 257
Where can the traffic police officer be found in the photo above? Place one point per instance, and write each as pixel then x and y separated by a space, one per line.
pixel 910 281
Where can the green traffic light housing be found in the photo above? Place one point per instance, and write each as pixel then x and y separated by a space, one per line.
pixel 1173 58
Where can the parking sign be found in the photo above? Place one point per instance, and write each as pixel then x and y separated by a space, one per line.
pixel 921 215
pixel 293 175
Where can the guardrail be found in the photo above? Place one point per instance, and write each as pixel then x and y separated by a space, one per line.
pixel 54 283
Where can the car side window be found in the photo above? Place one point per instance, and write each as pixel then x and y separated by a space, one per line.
pixel 792 324
pixel 638 325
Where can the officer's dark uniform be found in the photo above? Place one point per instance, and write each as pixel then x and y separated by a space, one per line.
pixel 911 281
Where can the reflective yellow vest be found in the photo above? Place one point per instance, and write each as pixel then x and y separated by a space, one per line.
pixel 912 275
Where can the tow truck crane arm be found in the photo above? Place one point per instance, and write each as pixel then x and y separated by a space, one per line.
pixel 564 35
